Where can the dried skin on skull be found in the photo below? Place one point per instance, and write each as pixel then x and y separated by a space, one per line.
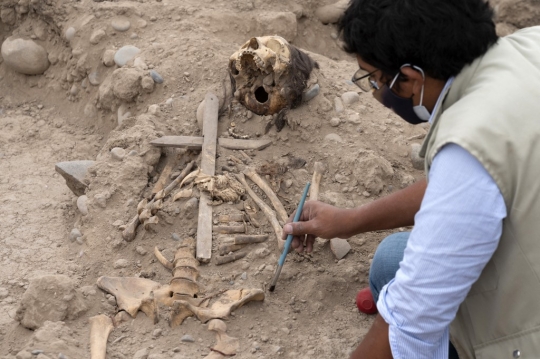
pixel 269 74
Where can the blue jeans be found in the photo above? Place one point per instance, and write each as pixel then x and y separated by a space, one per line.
pixel 385 265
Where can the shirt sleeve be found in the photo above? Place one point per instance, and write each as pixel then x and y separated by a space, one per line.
pixel 456 232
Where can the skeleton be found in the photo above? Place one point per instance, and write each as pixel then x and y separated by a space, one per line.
pixel 226 345
pixel 181 294
pixel 269 75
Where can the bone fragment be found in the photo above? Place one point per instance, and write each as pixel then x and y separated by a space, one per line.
pixel 160 184
pixel 246 156
pixel 163 260
pixel 150 221
pixel 185 193
pixel 132 294
pixel 131 229
pixel 226 345
pixel 282 214
pixel 142 205
pixel 230 229
pixel 318 171
pixel 250 213
pixel 100 328
pixel 235 159
pixel 228 248
pixel 271 215
pixel 229 258
pixel 222 308
pixel 233 217
pixel 250 238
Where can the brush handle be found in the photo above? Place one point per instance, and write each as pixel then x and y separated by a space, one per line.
pixel 296 218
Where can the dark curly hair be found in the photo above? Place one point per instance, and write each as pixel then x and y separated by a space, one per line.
pixel 440 36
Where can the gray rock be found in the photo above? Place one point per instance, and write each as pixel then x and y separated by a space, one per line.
pixel 243 276
pixel 25 56
pixel 187 339
pixel 74 234
pixel 141 250
pixel 82 205
pixel 118 153
pixel 147 83
pixel 8 16
pixel 333 137
pixel 120 263
pixel 176 237
pixel 120 24
pixel 156 77
pixel 350 98
pixel 311 93
pixel 417 161
pixel 74 173
pixel 141 354
pixel 70 33
pixel 340 247
pixel 338 105
pixel 37 352
pixel 157 332
pixel 49 298
pixel 3 293
pixel 97 36
pixel 125 54
pixel 108 58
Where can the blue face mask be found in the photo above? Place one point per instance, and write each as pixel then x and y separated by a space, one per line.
pixel 402 106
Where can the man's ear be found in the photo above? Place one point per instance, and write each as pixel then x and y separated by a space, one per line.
pixel 414 78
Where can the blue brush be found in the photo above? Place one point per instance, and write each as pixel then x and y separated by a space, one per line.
pixel 281 260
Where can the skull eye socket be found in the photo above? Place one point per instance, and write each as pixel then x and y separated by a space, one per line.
pixel 261 95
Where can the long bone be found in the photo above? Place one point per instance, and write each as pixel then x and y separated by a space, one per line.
pixel 252 175
pixel 226 345
pixel 271 215
pixel 100 328
pixel 131 229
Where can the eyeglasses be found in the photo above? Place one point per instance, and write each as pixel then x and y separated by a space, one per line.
pixel 362 79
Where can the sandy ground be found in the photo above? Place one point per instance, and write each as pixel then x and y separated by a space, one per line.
pixel 74 112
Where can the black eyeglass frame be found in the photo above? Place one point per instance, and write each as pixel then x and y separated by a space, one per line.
pixel 372 83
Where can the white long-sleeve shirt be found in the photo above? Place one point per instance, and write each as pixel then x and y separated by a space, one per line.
pixel 456 232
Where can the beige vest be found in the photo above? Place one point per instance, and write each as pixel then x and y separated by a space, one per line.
pixel 493 111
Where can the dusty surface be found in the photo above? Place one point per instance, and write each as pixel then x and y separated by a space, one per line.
pixel 83 106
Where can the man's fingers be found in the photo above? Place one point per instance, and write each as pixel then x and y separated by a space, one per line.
pixel 310 240
pixel 298 228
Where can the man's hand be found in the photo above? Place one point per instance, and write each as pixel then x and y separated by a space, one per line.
pixel 376 344
pixel 318 219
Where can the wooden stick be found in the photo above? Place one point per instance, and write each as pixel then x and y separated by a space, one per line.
pixel 318 170
pixel 208 167
pixel 271 215
pixel 230 258
pixel 250 172
pixel 131 229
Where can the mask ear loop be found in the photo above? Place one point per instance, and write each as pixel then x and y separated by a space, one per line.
pixel 424 79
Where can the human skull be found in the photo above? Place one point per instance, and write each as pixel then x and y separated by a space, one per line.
pixel 269 74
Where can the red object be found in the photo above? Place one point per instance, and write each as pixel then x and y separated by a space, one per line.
pixel 365 303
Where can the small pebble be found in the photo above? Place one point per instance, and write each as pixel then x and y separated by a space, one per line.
pixel 157 332
pixel 118 153
pixel 3 293
pixel 111 300
pixel 335 121
pixel 125 54
pixel 120 263
pixel 187 339
pixel 97 36
pixel 81 205
pixel 133 36
pixel 70 33
pixel 333 137
pixel 243 276
pixel 156 77
pixel 350 98
pixel 120 24
pixel 74 234
pixel 37 352
pixel 108 58
pixel 176 237
pixel 311 93
pixel 338 105
pixel 94 78
pixel 169 102
pixel 141 250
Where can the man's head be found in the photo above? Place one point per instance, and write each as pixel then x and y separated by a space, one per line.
pixel 439 36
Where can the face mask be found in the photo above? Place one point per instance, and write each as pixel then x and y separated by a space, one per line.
pixel 403 107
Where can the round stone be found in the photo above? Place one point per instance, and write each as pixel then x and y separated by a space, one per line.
pixel 70 33
pixel 333 137
pixel 75 233
pixel 120 24
pixel 81 204
pixel 125 54
pixel 120 263
pixel 311 93
pixel 108 58
pixel 156 77
pixel 25 56
pixel 350 98
pixel 335 121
